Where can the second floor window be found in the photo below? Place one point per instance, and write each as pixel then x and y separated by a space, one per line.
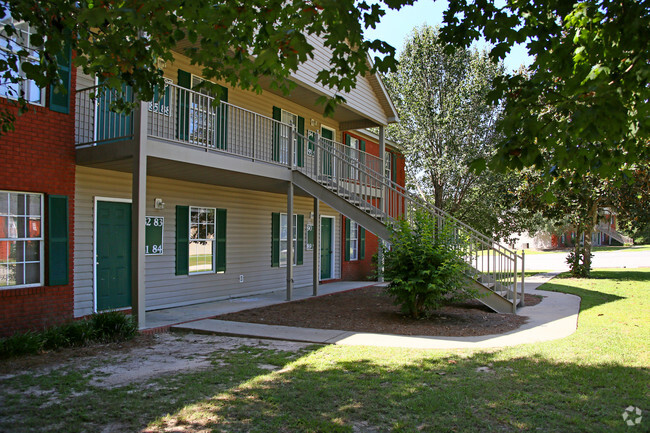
pixel 16 49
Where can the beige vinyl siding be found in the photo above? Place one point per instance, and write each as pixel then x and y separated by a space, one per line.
pixel 83 80
pixel 361 99
pixel 248 241
pixel 261 104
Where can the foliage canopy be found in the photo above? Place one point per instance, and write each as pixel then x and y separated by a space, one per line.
pixel 584 104
pixel 240 42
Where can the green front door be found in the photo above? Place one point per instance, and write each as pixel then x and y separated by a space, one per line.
pixel 328 134
pixel 113 260
pixel 326 248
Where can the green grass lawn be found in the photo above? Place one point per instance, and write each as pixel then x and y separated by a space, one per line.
pixel 581 383
pixel 593 249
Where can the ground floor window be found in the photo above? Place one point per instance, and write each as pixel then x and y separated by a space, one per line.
pixel 284 239
pixel 354 241
pixel 202 231
pixel 21 239
pixel 280 239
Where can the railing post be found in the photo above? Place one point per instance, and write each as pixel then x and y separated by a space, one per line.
pixel 253 138
pixel 514 289
pixel 523 276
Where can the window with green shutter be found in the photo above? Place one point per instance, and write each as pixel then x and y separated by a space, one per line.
pixel 221 241
pixel 279 239
pixel 182 240
pixel 57 245
pixel 60 100
pixel 275 239
pixel 183 105
pixel 300 157
pixel 275 152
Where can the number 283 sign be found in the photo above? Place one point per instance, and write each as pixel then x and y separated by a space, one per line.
pixel 153 244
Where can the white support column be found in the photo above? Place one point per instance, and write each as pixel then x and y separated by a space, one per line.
pixel 381 243
pixel 138 211
pixel 382 169
pixel 316 246
pixel 289 240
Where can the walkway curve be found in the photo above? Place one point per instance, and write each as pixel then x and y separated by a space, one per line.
pixel 553 318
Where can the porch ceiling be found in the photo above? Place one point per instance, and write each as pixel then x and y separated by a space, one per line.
pixel 191 165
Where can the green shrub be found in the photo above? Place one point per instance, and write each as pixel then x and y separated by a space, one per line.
pixel 424 266
pixel 113 326
pixel 105 327
pixel 20 344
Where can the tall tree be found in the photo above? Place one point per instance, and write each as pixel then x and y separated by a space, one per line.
pixel 237 41
pixel 446 121
pixel 584 107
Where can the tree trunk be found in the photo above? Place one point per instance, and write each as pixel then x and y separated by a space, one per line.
pixel 593 221
pixel 437 190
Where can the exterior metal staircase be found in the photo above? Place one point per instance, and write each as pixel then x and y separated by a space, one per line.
pixel 348 180
pixel 340 177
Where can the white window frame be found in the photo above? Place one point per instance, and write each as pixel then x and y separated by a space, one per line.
pixel 200 239
pixel 283 231
pixel 4 263
pixel 288 118
pixel 354 241
pixel 201 112
pixel 353 154
pixel 25 87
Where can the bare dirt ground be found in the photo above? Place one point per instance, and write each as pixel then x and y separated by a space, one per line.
pixel 363 310
pixel 372 310
pixel 142 358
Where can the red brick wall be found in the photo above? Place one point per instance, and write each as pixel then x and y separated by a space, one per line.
pixel 39 157
pixel 358 270
pixel 361 270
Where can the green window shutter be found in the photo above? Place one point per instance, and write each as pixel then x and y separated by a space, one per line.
pixel 57 244
pixel 183 106
pixel 275 239
pixel 300 239
pixel 347 239
pixel 221 240
pixel 362 243
pixel 182 240
pixel 299 141
pixel 60 101
pixel 222 121
pixel 362 145
pixel 348 139
pixel 393 168
pixel 277 115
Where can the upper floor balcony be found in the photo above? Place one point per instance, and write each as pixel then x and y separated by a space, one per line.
pixel 190 134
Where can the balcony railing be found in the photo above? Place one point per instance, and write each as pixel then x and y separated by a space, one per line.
pixel 198 120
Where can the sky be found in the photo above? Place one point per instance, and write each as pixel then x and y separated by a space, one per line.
pixel 395 26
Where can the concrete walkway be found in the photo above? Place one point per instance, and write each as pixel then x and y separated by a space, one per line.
pixel 555 317
pixel 175 315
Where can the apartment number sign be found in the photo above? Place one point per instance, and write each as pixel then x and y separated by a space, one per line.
pixel 153 235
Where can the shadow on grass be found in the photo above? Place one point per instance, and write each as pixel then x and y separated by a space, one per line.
pixel 343 389
pixel 434 393
pixel 564 283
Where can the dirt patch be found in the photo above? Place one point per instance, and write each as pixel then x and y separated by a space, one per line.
pixel 372 310
pixel 145 357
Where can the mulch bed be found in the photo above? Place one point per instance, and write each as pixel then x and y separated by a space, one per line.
pixel 372 310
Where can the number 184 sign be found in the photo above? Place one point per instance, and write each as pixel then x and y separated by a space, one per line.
pixel 153 245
